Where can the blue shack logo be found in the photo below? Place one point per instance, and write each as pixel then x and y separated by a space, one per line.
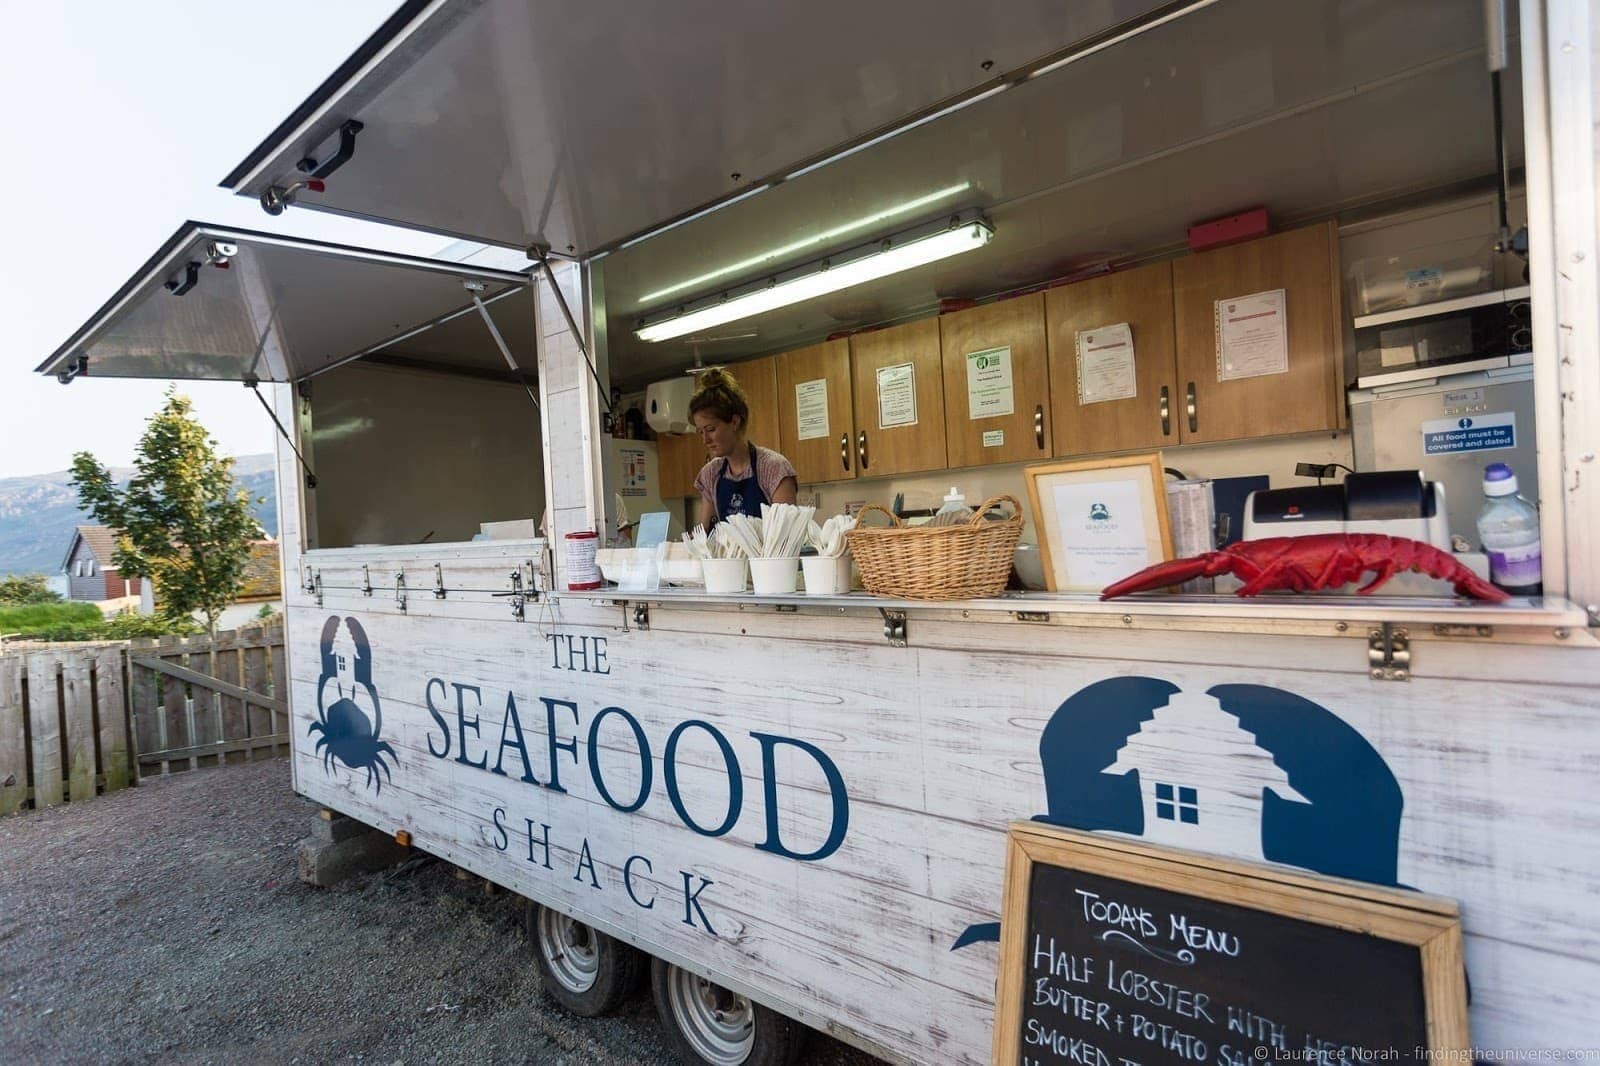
pixel 350 727
pixel 1242 770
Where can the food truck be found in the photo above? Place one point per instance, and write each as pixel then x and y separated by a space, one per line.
pixel 794 810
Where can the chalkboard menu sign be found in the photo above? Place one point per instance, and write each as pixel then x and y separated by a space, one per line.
pixel 1115 953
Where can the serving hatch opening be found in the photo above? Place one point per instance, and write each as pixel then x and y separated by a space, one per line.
pixel 1371 148
pixel 415 417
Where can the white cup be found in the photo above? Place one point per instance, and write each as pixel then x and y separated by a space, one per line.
pixel 826 575
pixel 723 576
pixel 774 577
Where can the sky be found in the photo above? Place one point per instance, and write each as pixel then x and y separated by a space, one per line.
pixel 119 119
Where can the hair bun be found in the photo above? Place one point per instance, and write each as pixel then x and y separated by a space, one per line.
pixel 715 378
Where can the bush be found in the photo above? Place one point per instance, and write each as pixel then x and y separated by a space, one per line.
pixel 127 626
pixel 27 588
pixel 82 621
pixel 31 619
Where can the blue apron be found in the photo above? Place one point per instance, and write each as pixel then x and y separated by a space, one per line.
pixel 743 496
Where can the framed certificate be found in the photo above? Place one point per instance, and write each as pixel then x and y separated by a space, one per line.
pixel 1099 520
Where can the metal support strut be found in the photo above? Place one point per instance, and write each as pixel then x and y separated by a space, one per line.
pixel 474 288
pixel 254 385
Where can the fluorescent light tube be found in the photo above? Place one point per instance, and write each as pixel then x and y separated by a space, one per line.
pixel 823 239
pixel 823 279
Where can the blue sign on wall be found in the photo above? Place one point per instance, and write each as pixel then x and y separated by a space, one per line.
pixel 1470 433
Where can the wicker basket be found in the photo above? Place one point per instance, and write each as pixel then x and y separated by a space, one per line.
pixel 953 562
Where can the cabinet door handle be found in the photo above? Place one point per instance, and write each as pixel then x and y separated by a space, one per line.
pixel 861 448
pixel 1038 426
pixel 844 451
pixel 1194 422
pixel 1166 412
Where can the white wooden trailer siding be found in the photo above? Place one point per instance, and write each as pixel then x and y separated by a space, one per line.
pixel 938 747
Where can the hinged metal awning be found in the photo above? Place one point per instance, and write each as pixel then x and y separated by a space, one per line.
pixel 237 305
pixel 578 126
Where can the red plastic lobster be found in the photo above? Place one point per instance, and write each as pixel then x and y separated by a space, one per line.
pixel 1305 564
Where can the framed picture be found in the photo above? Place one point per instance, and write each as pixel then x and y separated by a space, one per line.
pixel 1099 520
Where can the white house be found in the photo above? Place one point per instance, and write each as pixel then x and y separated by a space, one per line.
pixel 1202 777
pixel 263 587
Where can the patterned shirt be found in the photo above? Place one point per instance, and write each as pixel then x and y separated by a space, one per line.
pixel 771 469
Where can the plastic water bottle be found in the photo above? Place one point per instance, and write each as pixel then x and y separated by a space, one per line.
pixel 1508 526
pixel 954 512
pixel 954 502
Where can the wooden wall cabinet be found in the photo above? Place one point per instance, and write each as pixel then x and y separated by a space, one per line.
pixel 1308 397
pixel 1023 432
pixel 679 457
pixel 815 382
pixel 1142 298
pixel 898 376
pixel 759 380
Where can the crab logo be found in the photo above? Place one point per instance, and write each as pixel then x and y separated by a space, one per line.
pixel 1099 512
pixel 348 735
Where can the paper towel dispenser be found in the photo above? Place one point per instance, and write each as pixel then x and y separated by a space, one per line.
pixel 666 405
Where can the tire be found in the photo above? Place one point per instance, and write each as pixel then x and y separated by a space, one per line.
pixel 581 968
pixel 709 1026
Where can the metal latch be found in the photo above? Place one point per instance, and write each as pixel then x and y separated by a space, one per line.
pixel 518 596
pixel 1389 653
pixel 641 616
pixel 316 586
pixel 400 590
pixel 894 626
pixel 366 582
pixel 439 592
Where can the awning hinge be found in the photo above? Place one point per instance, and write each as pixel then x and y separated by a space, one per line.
pixel 894 626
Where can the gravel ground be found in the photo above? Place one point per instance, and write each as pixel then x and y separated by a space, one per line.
pixel 165 923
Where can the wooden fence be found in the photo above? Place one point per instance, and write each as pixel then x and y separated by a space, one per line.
pixel 77 719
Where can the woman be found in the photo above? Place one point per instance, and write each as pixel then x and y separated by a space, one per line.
pixel 740 476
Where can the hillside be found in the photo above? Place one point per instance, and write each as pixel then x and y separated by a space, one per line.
pixel 37 513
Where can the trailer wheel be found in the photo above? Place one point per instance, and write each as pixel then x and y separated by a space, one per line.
pixel 706 1023
pixel 583 969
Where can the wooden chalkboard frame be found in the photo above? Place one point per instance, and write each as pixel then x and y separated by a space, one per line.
pixel 1432 924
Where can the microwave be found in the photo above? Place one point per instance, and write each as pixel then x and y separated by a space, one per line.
pixel 1486 330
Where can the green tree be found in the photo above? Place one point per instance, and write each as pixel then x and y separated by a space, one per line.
pixel 183 522
pixel 27 588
